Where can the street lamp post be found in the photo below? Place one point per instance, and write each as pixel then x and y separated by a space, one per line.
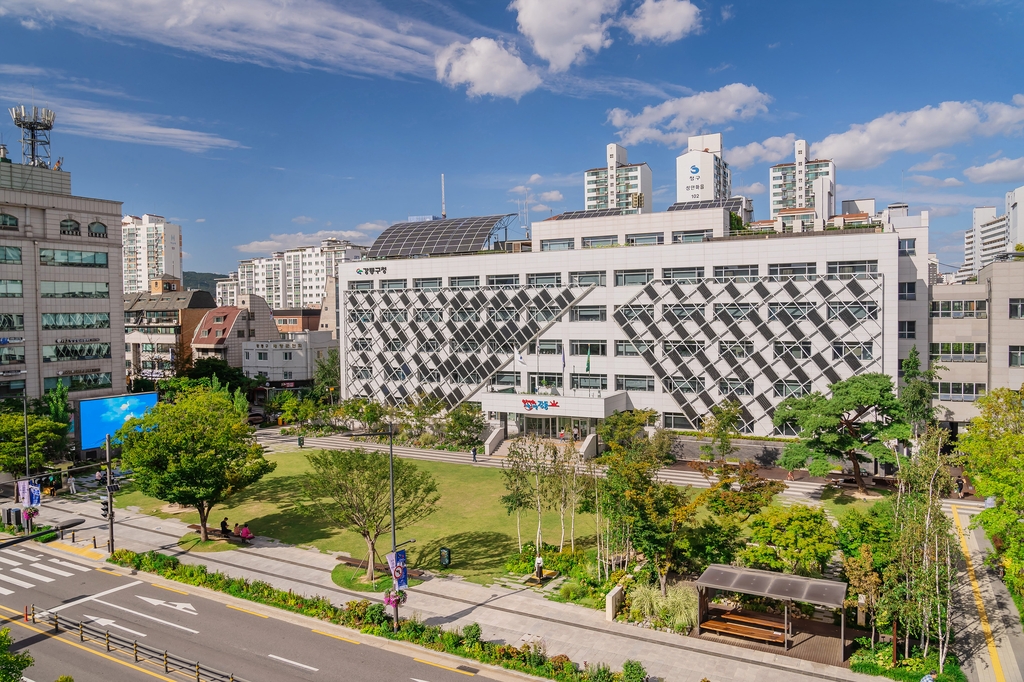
pixel 390 433
pixel 24 406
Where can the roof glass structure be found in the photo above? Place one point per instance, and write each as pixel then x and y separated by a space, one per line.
pixel 434 237
pixel 734 204
pixel 828 593
pixel 593 213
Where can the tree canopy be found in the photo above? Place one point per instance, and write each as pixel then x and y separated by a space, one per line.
pixel 797 539
pixel 47 441
pixel 12 665
pixel 232 377
pixel 196 451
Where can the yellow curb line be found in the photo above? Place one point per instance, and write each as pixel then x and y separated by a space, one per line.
pixel 251 613
pixel 169 589
pixel 986 629
pixel 80 551
pixel 438 665
pixel 103 570
pixel 344 639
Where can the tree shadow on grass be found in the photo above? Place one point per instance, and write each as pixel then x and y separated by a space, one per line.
pixel 289 523
pixel 474 550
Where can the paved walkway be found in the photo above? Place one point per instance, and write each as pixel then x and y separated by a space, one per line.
pixel 507 614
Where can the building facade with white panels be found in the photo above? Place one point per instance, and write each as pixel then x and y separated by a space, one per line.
pixel 227 290
pixel 702 173
pixel 151 247
pixel 619 184
pixel 991 235
pixel 804 183
pixel 296 278
pixel 288 362
pixel 61 318
pixel 559 338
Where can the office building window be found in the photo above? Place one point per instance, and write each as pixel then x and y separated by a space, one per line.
pixel 76 320
pixel 957 392
pixel 428 315
pixel 907 291
pixel 392 284
pixel 79 382
pixel 787 429
pixel 684 384
pixel 8 221
pixel 588 347
pixel 360 315
pixel 634 382
pixel 797 271
pixel 502 314
pixel 907 329
pixel 468 346
pixel 739 349
pixel 599 242
pixel 736 387
pixel 429 346
pixel 541 379
pixel 738 273
pixel 1016 356
pixel 360 285
pixel 470 282
pixel 800 350
pixel 849 269
pixel 626 278
pixel 681 311
pixel 262 356
pixel 427 283
pixel 396 372
pixel 15 355
pixel 546 347
pixel 1016 308
pixel 789 388
pixel 430 376
pixel 360 344
pixel 633 312
pixel 10 288
pixel 958 352
pixel 784 311
pixel 963 309
pixel 557 244
pixel 503 281
pixel 588 313
pixel 394 315
pixel 685 349
pixel 585 279
pixel 543 314
pixel 861 310
pixel 674 420
pixel 737 311
pixel 78 259
pixel 506 379
pixel 10 255
pixel 544 279
pixel 503 345
pixel 589 381
pixel 632 348
pixel 465 315
pixel 691 236
pixel 683 275
pixel 287 355
pixel 860 350
pixel 359 372
pixel 645 239
pixel 908 247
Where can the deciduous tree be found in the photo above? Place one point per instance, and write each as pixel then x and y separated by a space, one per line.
pixel 797 539
pixel 47 441
pixel 12 665
pixel 717 428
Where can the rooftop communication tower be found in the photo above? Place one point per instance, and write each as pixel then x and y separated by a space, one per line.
pixel 35 134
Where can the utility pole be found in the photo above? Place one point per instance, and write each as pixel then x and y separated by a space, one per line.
pixel 110 498
pixel 24 407
pixel 394 536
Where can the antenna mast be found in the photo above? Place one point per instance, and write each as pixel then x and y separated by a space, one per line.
pixel 35 134
pixel 444 214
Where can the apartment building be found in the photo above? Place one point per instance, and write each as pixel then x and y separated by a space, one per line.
pixel 224 330
pixel 151 248
pixel 991 235
pixel 288 362
pixel 297 320
pixel 977 334
pixel 60 283
pixel 619 184
pixel 803 184
pixel 227 289
pixel 667 311
pixel 702 173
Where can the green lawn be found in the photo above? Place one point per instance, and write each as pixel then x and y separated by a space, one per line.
pixel 838 502
pixel 470 520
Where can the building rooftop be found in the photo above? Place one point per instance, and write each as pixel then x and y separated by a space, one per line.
pixel 174 300
pixel 621 165
pixel 437 237
pixel 209 325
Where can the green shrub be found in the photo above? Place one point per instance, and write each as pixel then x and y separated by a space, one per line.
pixel 634 671
pixel 599 672
pixel 471 634
pixel 376 615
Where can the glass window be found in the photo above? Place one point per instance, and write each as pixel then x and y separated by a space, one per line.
pixel 690 236
pixel 908 247
pixel 860 350
pixel 1017 308
pixel 394 345
pixel 465 315
pixel 672 420
pixel 467 346
pixel 431 376
pixel 429 346
pixel 360 285
pixel 78 259
pixel 848 269
pixel 599 242
pixel 684 384
pixel 907 329
pixel 633 312
pixel 631 382
pixel 538 379
pixel 74 289
pixel 797 271
pixel 861 310
pixel 392 284
pixel 394 315
pixel 632 348
pixel 800 350
pixel 10 255
pixel 69 226
pixel 796 311
pixel 287 355
pixel 76 351
pixel 1016 356
pixel 684 349
pixel 11 389
pixel 681 311
pixel 544 279
pixel 957 392
pixel 557 244
pixel 360 315
pixel 361 344
pixel 737 311
pixel 543 314
pixel 76 320
pixel 97 229
pixel 505 379
pixel 645 239
pixel 502 314
pixel 15 355
pixel 739 349
pixel 427 283
pixel 7 220
pixel 907 291
pixel 587 278
pixel 503 281
pixel 429 315
pixel 10 288
pixel 625 278
pixel 683 275
pixel 788 388
pixel 79 382
pixel 546 347
pixel 736 387
pixel 503 345
pixel 362 372
pixel 958 352
pixel 586 347
pixel 398 373
pixel 468 282
pixel 589 381
pixel 739 273
pixel 588 313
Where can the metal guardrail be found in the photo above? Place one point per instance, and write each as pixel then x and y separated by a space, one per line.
pixel 141 653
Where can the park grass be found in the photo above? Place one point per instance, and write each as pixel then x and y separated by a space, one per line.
pixel 840 501
pixel 354 578
pixel 470 520
pixel 191 542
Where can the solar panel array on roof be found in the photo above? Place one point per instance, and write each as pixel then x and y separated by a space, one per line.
pixel 734 204
pixel 829 593
pixel 452 235
pixel 593 213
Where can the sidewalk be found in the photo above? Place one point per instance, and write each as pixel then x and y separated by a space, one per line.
pixel 510 615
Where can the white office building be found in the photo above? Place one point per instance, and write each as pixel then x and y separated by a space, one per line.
pixel 151 247
pixel 701 172
pixel 804 184
pixel 619 184
pixel 289 362
pixel 991 235
pixel 296 278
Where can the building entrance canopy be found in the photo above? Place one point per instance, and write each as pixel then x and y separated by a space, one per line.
pixel 542 405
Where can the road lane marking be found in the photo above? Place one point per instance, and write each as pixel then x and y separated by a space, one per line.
pixel 15 581
pixel 109 623
pixel 30 574
pixel 51 569
pixel 22 555
pixel 251 613
pixel 146 615
pixel 184 607
pixel 4 591
pixel 109 572
pixel 169 589
pixel 438 665
pixel 68 564
pixel 9 562
pixel 55 609
pixel 301 665
pixel 986 628
pixel 344 639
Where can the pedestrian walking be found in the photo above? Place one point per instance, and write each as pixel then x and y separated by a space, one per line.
pixel 575 433
pixel 538 567
pixel 71 485
pixel 561 435
pixel 960 487
pixel 473 452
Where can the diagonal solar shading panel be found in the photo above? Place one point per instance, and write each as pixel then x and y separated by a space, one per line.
pixel 593 213
pixel 452 235
pixel 734 204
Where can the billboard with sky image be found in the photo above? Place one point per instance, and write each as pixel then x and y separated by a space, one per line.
pixel 100 417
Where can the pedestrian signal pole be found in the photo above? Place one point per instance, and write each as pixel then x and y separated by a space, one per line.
pixel 110 498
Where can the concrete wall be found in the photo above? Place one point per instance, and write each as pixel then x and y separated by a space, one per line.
pixel 765 453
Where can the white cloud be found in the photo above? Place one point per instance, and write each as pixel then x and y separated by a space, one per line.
pixel 280 242
pixel 672 121
pixel 302 220
pixel 535 178
pixel 31 24
pixel 563 31
pixel 1000 170
pixel 866 145
pixel 200 220
pixel 772 46
pixel 553 195
pixel 929 181
pixel 22 70
pixel 772 150
pixel 520 189
pixel 540 208
pixel 280 33
pixel 663 21
pixel 727 12
pixel 372 226
pixel 485 67
pixel 748 190
pixel 937 162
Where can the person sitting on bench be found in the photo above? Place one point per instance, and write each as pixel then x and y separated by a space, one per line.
pixel 224 530
pixel 245 533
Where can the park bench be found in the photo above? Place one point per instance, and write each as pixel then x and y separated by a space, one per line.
pixel 746 631
pixel 214 533
pixel 757 621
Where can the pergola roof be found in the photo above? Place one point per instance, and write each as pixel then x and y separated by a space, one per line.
pixel 828 593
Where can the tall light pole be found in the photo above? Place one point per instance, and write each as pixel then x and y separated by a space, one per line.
pixel 394 537
pixel 24 405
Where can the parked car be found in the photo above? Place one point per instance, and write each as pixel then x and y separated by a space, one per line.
pixel 255 418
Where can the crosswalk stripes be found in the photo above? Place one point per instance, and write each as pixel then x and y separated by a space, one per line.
pixel 68 564
pixel 41 572
pixel 51 569
pixel 14 581
pixel 34 576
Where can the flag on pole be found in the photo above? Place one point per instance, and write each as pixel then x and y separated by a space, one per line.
pixel 588 361
pixel 520 359
pixel 563 358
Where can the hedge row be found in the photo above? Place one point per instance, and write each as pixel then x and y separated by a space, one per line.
pixel 373 619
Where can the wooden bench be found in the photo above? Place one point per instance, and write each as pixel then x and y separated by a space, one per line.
pixel 752 620
pixel 214 533
pixel 743 631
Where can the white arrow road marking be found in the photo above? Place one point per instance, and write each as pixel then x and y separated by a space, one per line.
pixel 145 615
pixel 108 623
pixel 51 569
pixel 68 564
pixel 301 665
pixel 15 581
pixel 30 574
pixel 184 607
pixel 55 609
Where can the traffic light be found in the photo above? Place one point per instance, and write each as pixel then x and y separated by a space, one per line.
pixel 104 508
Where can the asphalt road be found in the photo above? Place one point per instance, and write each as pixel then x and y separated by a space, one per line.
pixel 250 645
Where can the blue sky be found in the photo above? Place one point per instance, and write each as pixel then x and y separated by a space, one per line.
pixel 263 124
